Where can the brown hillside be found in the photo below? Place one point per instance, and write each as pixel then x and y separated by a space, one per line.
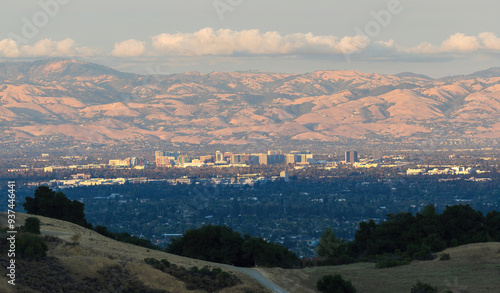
pixel 96 254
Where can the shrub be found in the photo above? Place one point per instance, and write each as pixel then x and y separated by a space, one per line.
pixel 423 253
pixel 165 263
pixel 334 284
pixel 31 246
pixel 445 256
pixel 32 225
pixel 210 280
pixel 76 237
pixel 389 261
pixel 104 231
pixel 420 287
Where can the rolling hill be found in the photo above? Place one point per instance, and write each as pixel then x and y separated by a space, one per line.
pixel 61 99
pixel 471 268
pixel 96 263
pixel 97 260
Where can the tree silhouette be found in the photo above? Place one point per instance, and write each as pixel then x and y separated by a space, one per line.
pixel 55 205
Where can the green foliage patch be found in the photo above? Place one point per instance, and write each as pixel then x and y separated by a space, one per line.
pixel 334 284
pixel 420 287
pixel 31 225
pixel 211 280
pixel 50 204
pixel 223 245
pixel 426 233
pixel 391 260
pixel 445 256
pixel 30 246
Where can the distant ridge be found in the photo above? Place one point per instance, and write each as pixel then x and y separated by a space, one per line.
pixel 413 75
pixel 54 69
pixel 81 101
pixel 488 73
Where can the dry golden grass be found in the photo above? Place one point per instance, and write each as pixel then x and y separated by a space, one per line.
pixel 95 252
pixel 473 268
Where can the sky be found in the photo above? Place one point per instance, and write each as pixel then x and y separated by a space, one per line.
pixel 433 37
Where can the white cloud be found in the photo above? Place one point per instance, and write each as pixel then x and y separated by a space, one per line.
pixel 456 43
pixel 129 48
pixel 389 44
pixel 9 49
pixel 460 43
pixel 45 48
pixel 490 41
pixel 422 48
pixel 228 42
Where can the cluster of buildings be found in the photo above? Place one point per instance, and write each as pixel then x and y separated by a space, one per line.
pixel 456 170
pixel 128 162
pixel 169 159
pixel 227 159
pixel 82 179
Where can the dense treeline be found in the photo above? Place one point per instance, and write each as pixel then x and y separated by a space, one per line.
pixel 426 232
pixel 414 236
pixel 223 245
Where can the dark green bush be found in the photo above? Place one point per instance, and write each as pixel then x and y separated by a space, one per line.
pixel 391 260
pixel 334 284
pixel 104 231
pixel 165 263
pixel 423 253
pixel 420 287
pixel 32 225
pixel 31 246
pixel 210 280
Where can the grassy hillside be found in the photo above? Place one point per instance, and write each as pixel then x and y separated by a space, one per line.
pixel 473 268
pixel 99 260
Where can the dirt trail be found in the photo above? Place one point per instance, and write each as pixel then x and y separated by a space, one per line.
pixel 259 278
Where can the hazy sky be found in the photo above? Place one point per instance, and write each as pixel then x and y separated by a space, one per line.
pixel 433 37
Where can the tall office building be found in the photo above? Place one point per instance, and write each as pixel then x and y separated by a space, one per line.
pixel 351 157
pixel 284 175
pixel 275 157
pixel 219 157
pixel 163 161
pixel 238 159
pixel 181 160
pixel 262 158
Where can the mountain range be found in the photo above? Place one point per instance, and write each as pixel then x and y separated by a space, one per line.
pixel 84 102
